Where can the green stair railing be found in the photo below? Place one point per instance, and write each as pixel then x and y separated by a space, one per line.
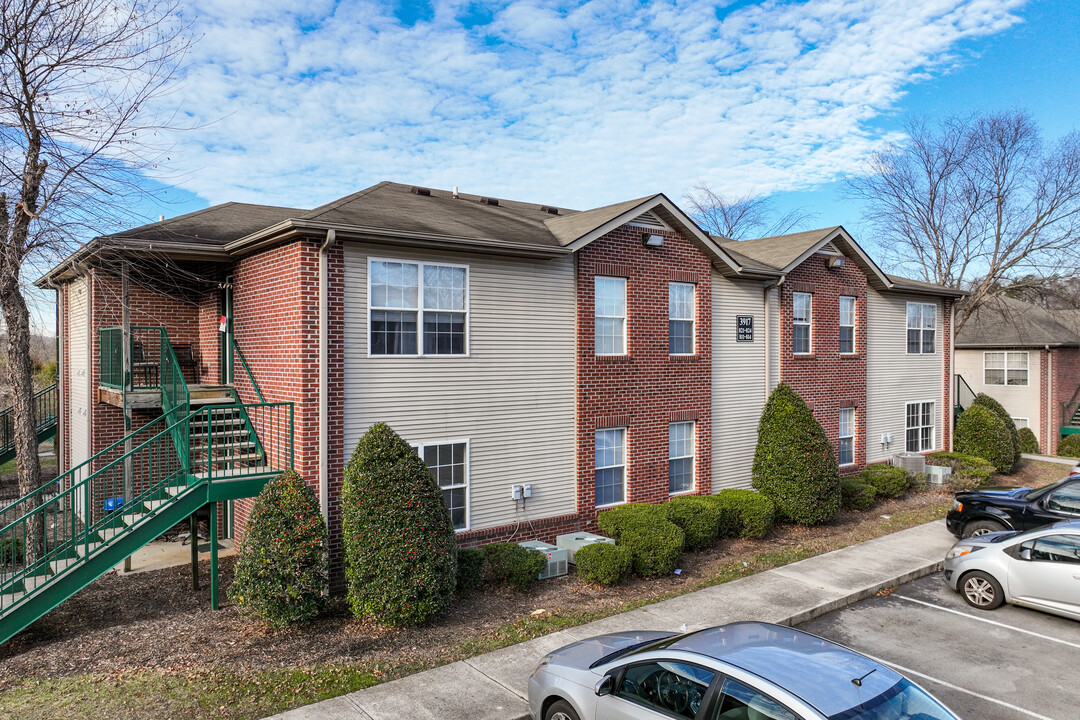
pixel 46 405
pixel 1070 415
pixel 964 395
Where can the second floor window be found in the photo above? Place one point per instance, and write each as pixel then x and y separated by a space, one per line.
pixel 610 315
pixel 802 310
pixel 1005 368
pixel 847 325
pixel 921 324
pixel 418 308
pixel 680 318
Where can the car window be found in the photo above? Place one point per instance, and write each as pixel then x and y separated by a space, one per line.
pixel 676 689
pixel 1066 499
pixel 739 702
pixel 1055 548
pixel 903 701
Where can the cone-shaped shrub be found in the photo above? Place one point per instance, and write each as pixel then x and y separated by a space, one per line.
pixel 980 432
pixel 794 465
pixel 998 409
pixel 400 553
pixel 281 570
pixel 1028 442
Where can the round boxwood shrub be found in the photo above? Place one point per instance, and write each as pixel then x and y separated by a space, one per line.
pixel 794 464
pixel 281 568
pixel 653 541
pixel 470 570
pixel 998 409
pixel 400 550
pixel 1028 442
pixel 507 563
pixel 744 513
pixel 980 432
pixel 855 494
pixel 888 480
pixel 604 563
pixel 698 518
pixel 1069 446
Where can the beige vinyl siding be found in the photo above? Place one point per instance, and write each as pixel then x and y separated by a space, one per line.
pixel 738 380
pixel 895 378
pixel 1022 401
pixel 78 367
pixel 512 397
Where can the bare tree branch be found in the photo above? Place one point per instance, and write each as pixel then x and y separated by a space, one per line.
pixel 741 218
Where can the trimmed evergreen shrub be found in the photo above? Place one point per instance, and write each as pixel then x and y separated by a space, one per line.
pixel 1069 446
pixel 470 570
pixel 698 518
pixel 400 550
pixel 281 574
pixel 794 464
pixel 969 471
pixel 1028 442
pixel 888 480
pixel 604 563
pixel 507 563
pixel 998 409
pixel 744 513
pixel 980 432
pixel 653 541
pixel 855 494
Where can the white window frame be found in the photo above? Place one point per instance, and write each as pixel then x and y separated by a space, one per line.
pixel 932 425
pixel 921 329
pixel 841 437
pixel 854 323
pixel 625 464
pixel 419 448
pixel 598 316
pixel 809 324
pixel 692 319
pixel 1005 368
pixel 1018 420
pixel 421 264
pixel 692 456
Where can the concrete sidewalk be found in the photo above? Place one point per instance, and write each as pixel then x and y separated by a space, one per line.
pixel 494 686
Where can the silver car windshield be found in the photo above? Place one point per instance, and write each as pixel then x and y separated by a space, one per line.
pixel 903 701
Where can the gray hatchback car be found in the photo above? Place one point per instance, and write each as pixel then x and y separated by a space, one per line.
pixel 741 671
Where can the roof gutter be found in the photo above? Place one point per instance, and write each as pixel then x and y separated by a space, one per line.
pixel 324 374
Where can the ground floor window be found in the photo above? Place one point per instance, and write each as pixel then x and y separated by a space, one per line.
pixel 448 463
pixel 610 473
pixel 680 457
pixel 846 447
pixel 1020 423
pixel 920 426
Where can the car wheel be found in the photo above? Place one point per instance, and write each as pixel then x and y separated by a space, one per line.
pixel 560 710
pixel 981 590
pixel 981 527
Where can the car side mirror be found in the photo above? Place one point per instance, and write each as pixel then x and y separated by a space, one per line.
pixel 1024 553
pixel 605 686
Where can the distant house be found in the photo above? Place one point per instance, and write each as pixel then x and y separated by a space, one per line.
pixel 1028 359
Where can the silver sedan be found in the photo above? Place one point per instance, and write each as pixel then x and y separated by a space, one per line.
pixel 1038 569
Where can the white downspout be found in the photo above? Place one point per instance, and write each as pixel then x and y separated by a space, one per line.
pixel 324 376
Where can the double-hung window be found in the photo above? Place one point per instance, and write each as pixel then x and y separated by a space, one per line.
pixel 610 315
pixel 610 472
pixel 921 325
pixel 847 325
pixel 418 308
pixel 920 427
pixel 448 463
pixel 1005 368
pixel 801 314
pixel 680 457
pixel 680 318
pixel 846 445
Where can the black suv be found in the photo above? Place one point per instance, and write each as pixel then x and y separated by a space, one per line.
pixel 977 512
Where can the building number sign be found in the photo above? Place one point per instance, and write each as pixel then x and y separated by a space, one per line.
pixel 744 328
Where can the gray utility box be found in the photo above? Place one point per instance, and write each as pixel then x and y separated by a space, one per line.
pixel 938 474
pixel 557 559
pixel 575 541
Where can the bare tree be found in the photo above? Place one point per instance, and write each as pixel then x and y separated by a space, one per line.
pixel 740 218
pixel 977 203
pixel 75 78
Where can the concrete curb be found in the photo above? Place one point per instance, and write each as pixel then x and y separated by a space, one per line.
pixel 1051 458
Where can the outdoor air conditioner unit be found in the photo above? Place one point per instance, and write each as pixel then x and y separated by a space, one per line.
pixel 938 474
pixel 913 462
pixel 557 561
pixel 573 542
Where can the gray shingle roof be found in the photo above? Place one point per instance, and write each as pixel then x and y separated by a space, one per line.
pixel 1007 322
pixel 779 251
pixel 214 225
pixel 567 229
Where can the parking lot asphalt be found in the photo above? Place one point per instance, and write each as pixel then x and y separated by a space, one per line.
pixel 1007 664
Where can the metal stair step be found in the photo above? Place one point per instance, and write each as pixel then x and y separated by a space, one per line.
pixel 7 599
pixel 82 550
pixel 59 566
pixel 215 400
pixel 133 518
pixel 108 534
pixel 240 472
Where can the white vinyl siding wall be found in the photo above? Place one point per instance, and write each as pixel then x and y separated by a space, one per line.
pixel 78 367
pixel 512 396
pixel 894 377
pixel 1020 400
pixel 738 379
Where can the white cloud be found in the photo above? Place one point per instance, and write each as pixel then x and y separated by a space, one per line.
pixel 299 103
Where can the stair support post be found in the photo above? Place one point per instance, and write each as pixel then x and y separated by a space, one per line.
pixel 125 304
pixel 193 527
pixel 213 556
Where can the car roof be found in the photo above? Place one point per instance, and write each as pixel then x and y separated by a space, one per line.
pixel 818 671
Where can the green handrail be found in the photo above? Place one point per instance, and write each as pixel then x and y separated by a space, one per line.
pixel 46 403
pixel 243 362
pixel 964 394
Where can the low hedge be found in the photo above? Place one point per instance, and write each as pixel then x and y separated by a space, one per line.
pixel 604 563
pixel 980 432
pixel 507 563
pixel 856 494
pixel 1069 446
pixel 1028 442
pixel 470 570
pixel 697 516
pixel 888 480
pixel 653 541
pixel 969 471
pixel 744 513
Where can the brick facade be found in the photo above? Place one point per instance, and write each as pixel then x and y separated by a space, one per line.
pixel 1066 379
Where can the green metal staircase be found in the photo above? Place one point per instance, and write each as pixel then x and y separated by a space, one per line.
pixel 46 405
pixel 1070 415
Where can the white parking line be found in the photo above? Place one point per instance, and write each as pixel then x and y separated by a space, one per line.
pixel 986 620
pixel 987 698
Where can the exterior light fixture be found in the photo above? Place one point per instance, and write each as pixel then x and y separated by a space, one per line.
pixel 835 262
pixel 651 240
